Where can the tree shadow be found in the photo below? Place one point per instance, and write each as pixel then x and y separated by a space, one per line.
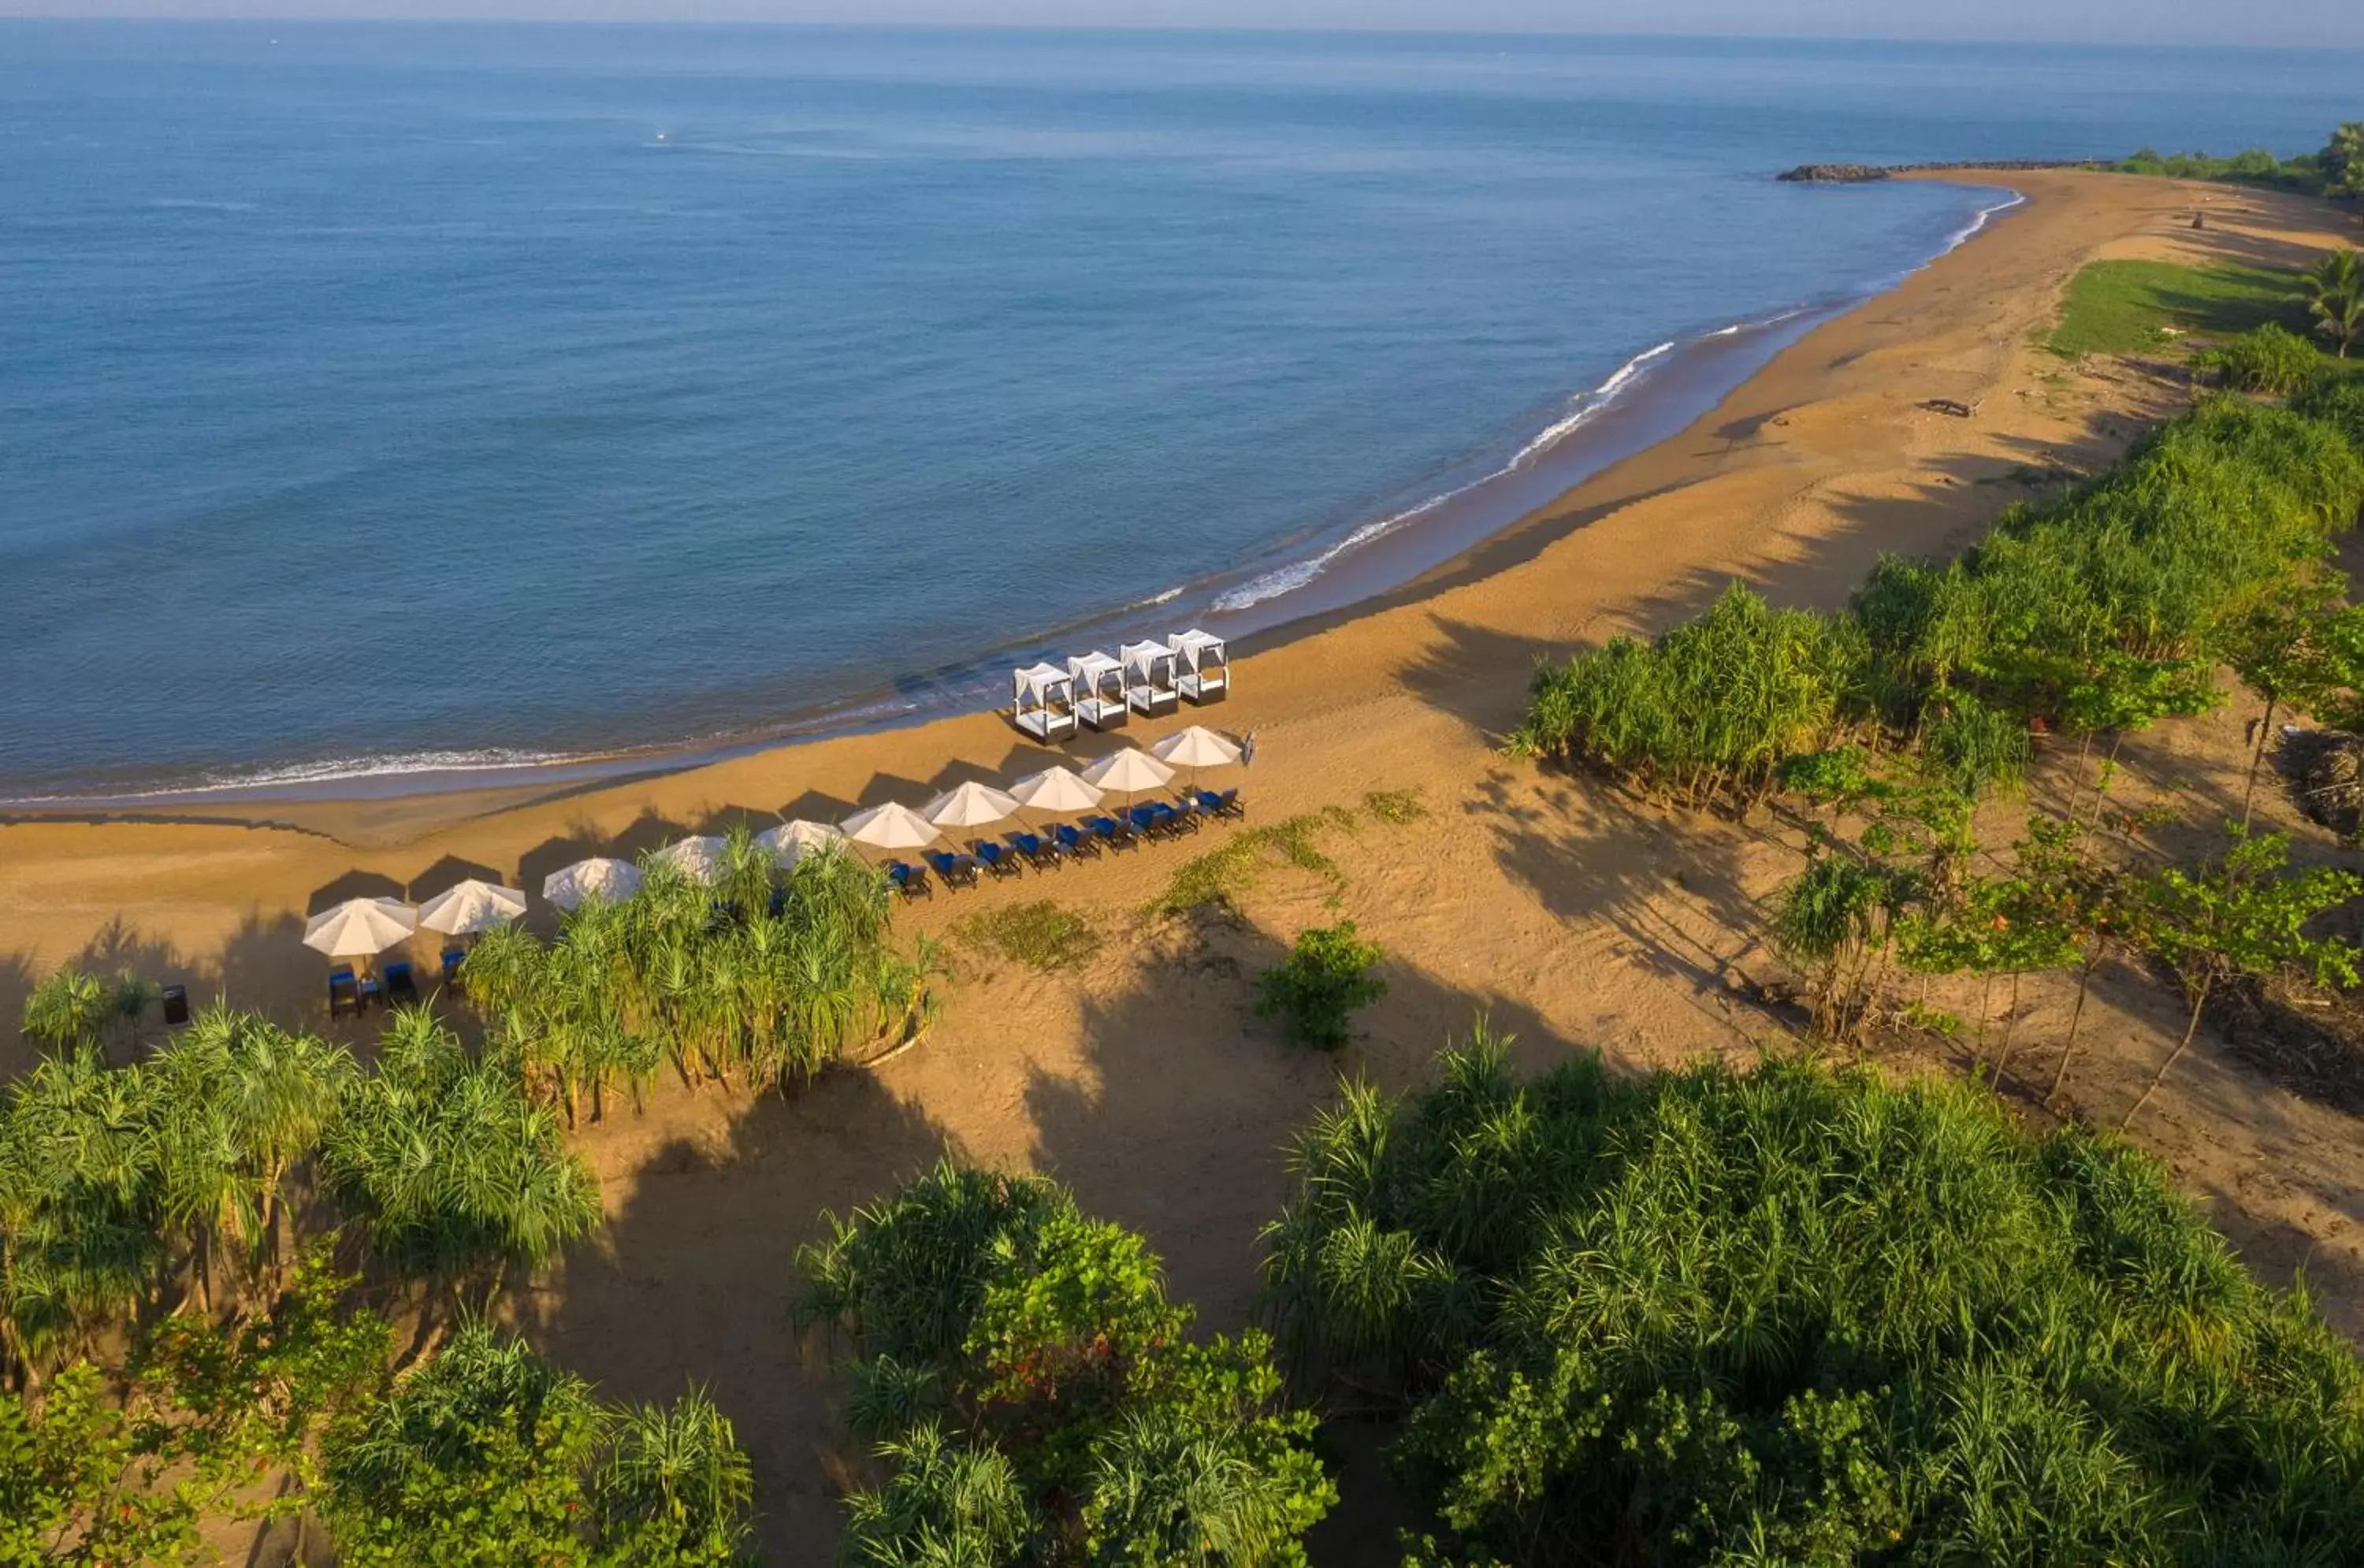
pixel 446 873
pixel 692 1283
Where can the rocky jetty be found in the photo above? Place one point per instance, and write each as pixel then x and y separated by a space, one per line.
pixel 1864 173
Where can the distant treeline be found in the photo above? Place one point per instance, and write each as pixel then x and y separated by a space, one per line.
pixel 2336 170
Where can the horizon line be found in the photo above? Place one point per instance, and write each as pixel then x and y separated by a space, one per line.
pixel 1247 28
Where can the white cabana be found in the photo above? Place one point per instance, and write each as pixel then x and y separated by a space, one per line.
pixel 1054 790
pixel 469 907
pixel 1202 668
pixel 1098 684
pixel 972 804
pixel 890 826
pixel 1149 678
pixel 1043 702
pixel 1129 772
pixel 699 857
pixel 570 887
pixel 360 928
pixel 792 841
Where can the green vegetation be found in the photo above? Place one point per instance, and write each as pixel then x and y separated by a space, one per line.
pixel 764 977
pixel 2098 611
pixel 2136 307
pixel 1395 807
pixel 1317 991
pixel 1037 1397
pixel 2269 359
pixel 1040 934
pixel 2335 298
pixel 488 1455
pixel 2336 170
pixel 1802 1317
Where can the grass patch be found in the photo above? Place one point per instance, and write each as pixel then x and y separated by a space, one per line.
pixel 1041 935
pixel 2131 307
pixel 1218 875
pixel 1396 807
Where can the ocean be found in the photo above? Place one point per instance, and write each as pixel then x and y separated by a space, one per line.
pixel 392 403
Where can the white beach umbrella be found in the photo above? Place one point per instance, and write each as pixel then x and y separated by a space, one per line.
pixel 1197 747
pixel 598 877
pixel 468 907
pixel 1055 789
pixel 1129 772
pixel 360 927
pixel 792 841
pixel 699 857
pixel 973 805
pixel 890 826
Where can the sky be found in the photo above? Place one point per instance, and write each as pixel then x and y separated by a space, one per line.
pixel 2335 23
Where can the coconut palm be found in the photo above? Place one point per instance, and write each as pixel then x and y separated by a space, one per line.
pixel 2335 297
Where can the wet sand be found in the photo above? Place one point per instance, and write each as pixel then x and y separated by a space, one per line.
pixel 1573 916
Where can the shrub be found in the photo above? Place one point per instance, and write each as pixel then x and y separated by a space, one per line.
pixel 1326 977
pixel 1053 1406
pixel 1800 1315
pixel 2269 359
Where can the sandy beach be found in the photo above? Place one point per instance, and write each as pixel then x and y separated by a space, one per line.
pixel 1574 916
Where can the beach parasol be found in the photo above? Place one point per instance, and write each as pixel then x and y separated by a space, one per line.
pixel 1129 772
pixel 699 857
pixel 890 826
pixel 598 877
pixel 360 927
pixel 1195 748
pixel 792 841
pixel 1054 790
pixel 468 907
pixel 972 804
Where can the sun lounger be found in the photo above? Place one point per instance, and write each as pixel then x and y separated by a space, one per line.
pixel 996 858
pixel 1075 841
pixel 452 959
pixel 344 994
pixel 1037 851
pixel 177 1005
pixel 909 881
pixel 401 984
pixel 951 870
pixel 1227 804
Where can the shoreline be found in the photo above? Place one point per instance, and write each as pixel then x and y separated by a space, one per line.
pixel 1569 914
pixel 1260 606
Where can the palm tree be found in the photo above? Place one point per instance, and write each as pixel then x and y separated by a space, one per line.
pixel 2335 297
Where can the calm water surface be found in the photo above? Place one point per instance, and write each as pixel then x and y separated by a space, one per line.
pixel 379 398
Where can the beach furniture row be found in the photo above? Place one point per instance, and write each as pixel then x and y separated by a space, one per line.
pixel 1094 691
pixel 1054 845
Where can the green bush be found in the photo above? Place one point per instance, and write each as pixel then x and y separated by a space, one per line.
pixel 2129 579
pixel 1326 977
pixel 1798 1315
pixel 2269 359
pixel 1039 1399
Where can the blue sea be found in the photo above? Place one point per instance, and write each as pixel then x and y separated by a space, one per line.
pixel 392 401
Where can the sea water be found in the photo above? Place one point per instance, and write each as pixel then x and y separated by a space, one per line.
pixel 380 401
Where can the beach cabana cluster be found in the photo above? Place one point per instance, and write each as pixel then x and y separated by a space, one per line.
pixel 1100 693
